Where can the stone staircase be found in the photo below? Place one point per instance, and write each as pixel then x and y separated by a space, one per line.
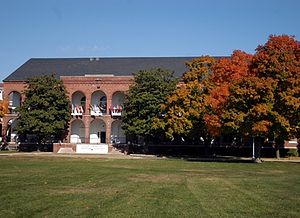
pixel 114 150
pixel 12 146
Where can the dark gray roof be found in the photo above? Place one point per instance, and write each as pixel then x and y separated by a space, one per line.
pixel 82 66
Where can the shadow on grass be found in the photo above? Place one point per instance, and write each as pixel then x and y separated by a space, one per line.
pixel 222 159
pixel 226 159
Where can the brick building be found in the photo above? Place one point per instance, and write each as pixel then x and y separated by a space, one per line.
pixel 95 87
pixel 1 98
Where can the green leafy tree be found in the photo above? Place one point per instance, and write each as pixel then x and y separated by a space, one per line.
pixel 142 103
pixel 45 112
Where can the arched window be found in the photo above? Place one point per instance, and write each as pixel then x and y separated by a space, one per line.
pixel 117 133
pixel 78 103
pixel 116 108
pixel 82 101
pixel 98 103
pixel 97 132
pixel 14 101
pixel 103 104
pixel 77 132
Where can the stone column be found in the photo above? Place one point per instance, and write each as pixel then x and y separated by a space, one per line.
pixel 87 122
pixel 87 104
pixel 109 102
pixel 108 131
pixel 87 116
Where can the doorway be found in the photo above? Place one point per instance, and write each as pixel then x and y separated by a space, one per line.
pixel 97 132
pixel 103 137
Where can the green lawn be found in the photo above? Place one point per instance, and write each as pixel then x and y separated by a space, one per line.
pixel 86 187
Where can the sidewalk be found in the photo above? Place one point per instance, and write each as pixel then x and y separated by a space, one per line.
pixel 292 160
pixel 74 155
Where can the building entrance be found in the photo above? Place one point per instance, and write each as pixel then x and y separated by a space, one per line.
pixel 103 137
pixel 97 132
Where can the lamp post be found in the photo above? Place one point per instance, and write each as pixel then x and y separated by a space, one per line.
pixel 253 148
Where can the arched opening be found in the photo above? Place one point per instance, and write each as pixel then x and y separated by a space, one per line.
pixel 77 132
pixel 78 104
pixel 11 133
pixel 14 101
pixel 98 104
pixel 116 108
pixel 117 133
pixel 97 132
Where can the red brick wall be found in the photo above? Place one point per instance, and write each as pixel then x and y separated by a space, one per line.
pixel 8 88
pixel 87 85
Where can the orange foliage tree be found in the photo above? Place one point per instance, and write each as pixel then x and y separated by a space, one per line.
pixel 279 61
pixel 249 109
pixel 225 72
pixel 242 95
pixel 266 102
pixel 184 110
pixel 3 107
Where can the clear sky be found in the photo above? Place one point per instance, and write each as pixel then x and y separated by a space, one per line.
pixel 137 28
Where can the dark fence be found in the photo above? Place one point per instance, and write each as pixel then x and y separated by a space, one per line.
pixel 29 147
pixel 197 151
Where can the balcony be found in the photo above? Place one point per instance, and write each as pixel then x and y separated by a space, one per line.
pixel 77 110
pixel 11 109
pixel 96 110
pixel 116 111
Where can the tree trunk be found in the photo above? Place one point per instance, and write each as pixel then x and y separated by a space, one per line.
pixel 207 144
pixel 277 152
pixel 146 144
pixel 278 143
pixel 39 144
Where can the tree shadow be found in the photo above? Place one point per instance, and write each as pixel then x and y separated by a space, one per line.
pixel 223 159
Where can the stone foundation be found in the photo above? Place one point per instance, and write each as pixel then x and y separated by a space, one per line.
pixel 70 147
pixel 58 146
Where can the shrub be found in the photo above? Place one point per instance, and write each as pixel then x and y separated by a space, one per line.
pixel 293 153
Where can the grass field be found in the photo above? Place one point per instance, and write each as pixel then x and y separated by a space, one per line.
pixel 86 187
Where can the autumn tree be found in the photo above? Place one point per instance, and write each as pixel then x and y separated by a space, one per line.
pixel 3 107
pixel 249 110
pixel 149 90
pixel 45 112
pixel 224 73
pixel 279 60
pixel 265 104
pixel 185 108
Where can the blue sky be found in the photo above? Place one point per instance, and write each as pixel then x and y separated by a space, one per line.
pixel 137 28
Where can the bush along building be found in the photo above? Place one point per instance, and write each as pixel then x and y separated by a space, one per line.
pixel 96 88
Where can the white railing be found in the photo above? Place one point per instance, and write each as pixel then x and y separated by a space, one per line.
pixel 77 110
pixel 96 110
pixel 76 139
pixel 116 111
pixel 115 139
pixel 11 107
